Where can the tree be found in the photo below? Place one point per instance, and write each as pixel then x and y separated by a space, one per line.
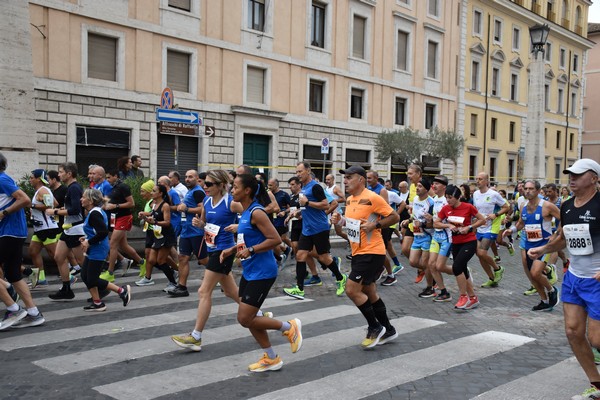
pixel 404 146
pixel 445 145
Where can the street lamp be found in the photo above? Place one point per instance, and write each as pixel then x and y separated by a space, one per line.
pixel 534 143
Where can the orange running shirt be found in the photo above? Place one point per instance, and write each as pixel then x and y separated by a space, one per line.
pixel 371 207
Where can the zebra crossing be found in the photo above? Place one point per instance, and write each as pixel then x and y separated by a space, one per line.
pixel 126 353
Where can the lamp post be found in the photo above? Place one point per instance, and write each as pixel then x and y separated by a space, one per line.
pixel 535 156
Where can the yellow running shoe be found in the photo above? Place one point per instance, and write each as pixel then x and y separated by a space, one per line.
pixel 266 364
pixel 188 342
pixel 294 334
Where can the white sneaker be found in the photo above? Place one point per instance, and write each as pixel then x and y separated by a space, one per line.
pixel 145 282
pixel 170 286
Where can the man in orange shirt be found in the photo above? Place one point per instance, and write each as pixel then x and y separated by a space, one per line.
pixel 366 214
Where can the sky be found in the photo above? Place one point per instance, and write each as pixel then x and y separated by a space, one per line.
pixel 594 12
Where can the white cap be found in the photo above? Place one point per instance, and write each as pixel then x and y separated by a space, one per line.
pixel 582 166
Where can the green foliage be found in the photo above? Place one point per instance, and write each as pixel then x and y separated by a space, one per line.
pixel 404 146
pixel 445 144
pixel 135 184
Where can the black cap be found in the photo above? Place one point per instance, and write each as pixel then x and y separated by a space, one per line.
pixel 355 169
pixel 425 184
pixel 441 179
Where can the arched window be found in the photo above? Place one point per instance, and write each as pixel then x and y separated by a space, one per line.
pixel 578 21
pixel 565 10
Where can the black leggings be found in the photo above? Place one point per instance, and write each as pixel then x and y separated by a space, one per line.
pixel 90 273
pixel 462 253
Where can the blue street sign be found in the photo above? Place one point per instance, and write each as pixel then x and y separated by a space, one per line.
pixel 187 117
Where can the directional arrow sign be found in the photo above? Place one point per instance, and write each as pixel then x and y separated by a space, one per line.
pixel 187 117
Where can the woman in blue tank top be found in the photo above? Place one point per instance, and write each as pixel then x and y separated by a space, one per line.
pixel 95 247
pixel 257 237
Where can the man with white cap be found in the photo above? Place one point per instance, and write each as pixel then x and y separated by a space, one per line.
pixel 580 232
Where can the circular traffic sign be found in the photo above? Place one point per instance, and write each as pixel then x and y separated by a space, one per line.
pixel 325 142
pixel 166 98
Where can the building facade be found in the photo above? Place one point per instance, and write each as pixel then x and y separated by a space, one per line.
pixel 497 83
pixel 590 141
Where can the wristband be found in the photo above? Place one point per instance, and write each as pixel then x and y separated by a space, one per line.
pixel 513 229
pixel 56 211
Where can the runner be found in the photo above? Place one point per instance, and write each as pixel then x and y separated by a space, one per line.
pixel 491 205
pixel 95 246
pixel 315 232
pixel 256 239
pixel 366 214
pixel 580 232
pixel 441 244
pixel 414 174
pixel 336 193
pixel 536 220
pixel 459 216
pixel 283 201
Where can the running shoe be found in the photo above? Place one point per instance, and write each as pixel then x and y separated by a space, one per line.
pixel 145 282
pixel 341 285
pixel 551 274
pixel 126 264
pixel 13 293
pixel 74 271
pixel 142 266
pixel 12 317
pixel 373 337
pixel 30 320
pixel 34 277
pixel 511 249
pixel 389 281
pixel 313 281
pixel 382 274
pixel 266 364
pixel 553 297
pixel 389 335
pixel 349 257
pixel 498 274
pixel 107 276
pixel 95 307
pixel 443 297
pixel 589 394
pixel 542 307
pixel 566 266
pixel 294 292
pixel 427 292
pixel 397 268
pixel 72 280
pixel 125 295
pixel 420 276
pixel 596 355
pixel 530 292
pixel 462 302
pixel 338 261
pixel 489 284
pixel 187 342
pixel 294 334
pixel 170 286
pixel 179 291
pixel 497 259
pixel 472 303
pixel 42 284
pixel 62 295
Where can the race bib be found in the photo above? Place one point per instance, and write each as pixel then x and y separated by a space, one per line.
pixel 353 230
pixel 456 221
pixel 48 200
pixel 418 230
pixel 241 244
pixel 579 240
pixel 292 212
pixel 210 234
pixel 113 219
pixel 533 232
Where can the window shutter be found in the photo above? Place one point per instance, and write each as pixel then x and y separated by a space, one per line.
pixel 102 57
pixel 255 85
pixel 358 38
pixel 402 47
pixel 178 71
pixel 181 4
pixel 431 59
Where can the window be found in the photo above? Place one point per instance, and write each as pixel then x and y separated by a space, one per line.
pixel 558 134
pixel 477 22
pixel 402 50
pixel 571 141
pixel 102 57
pixel 178 71
pixel 432 59
pixel 433 8
pixel 360 157
pixel 557 171
pixel 547 97
pixel 548 52
pixel 493 162
pixel 573 103
pixel 358 37
pixel 256 15
pixel 313 155
pixel 560 100
pixel 497 31
pixel 562 56
pixel 315 96
pixel 255 85
pixel 511 132
pixel 549 12
pixel 546 137
pixel 317 36
pixel 511 170
pixel 516 39
pixel 400 117
pixel 495 82
pixel 575 62
pixel 494 129
pixel 356 103
pixel 100 145
pixel 475 68
pixel 180 4
pixel 473 125
pixel 430 117
pixel 514 87
pixel 472 167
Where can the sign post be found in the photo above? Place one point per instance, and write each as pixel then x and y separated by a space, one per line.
pixel 324 151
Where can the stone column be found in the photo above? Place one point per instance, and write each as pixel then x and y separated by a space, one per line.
pixel 535 144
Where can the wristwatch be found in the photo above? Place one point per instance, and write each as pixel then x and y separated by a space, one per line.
pixel 251 250
pixel 378 225
pixel 470 228
pixel 5 213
